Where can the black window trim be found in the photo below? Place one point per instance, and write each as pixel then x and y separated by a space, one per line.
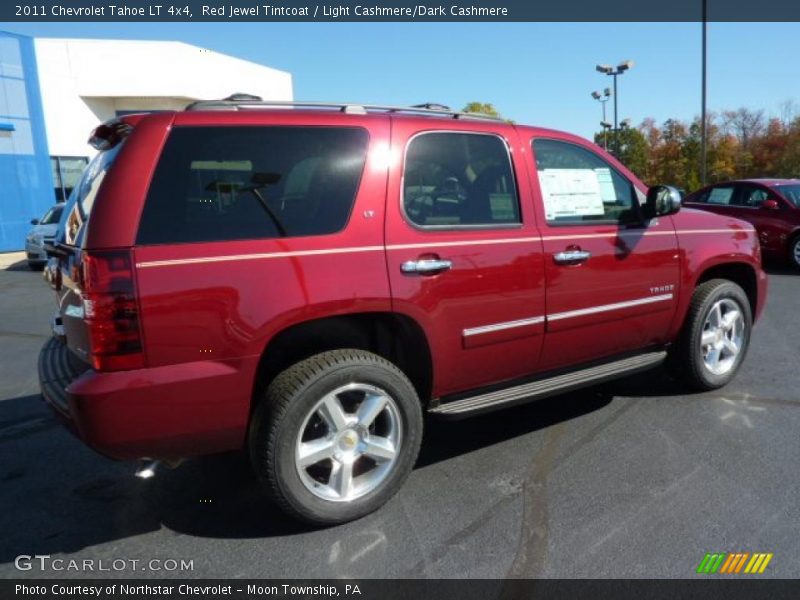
pixel 635 224
pixel 339 231
pixel 467 227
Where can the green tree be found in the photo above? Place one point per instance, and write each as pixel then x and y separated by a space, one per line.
pixel 481 108
pixel 633 151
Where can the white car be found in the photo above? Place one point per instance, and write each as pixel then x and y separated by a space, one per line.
pixel 43 231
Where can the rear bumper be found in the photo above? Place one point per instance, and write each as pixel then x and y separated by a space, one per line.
pixel 164 412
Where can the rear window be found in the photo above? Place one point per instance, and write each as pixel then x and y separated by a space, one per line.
pixel 232 183
pixel 79 205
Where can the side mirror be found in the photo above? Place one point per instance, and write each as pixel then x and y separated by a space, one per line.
pixel 662 200
pixel 34 221
pixel 770 204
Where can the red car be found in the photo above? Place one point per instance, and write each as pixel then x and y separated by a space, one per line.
pixel 772 206
pixel 306 281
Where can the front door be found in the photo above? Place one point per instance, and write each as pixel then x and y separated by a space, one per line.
pixel 463 254
pixel 770 223
pixel 612 278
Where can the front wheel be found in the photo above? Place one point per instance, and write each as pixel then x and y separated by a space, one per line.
pixel 336 435
pixel 715 337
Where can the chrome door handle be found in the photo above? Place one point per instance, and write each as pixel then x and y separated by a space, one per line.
pixel 426 265
pixel 571 257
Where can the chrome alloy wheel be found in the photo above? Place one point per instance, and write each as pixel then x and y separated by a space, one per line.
pixel 796 252
pixel 723 336
pixel 349 442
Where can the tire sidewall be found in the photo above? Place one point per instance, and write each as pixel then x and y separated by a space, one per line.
pixel 793 257
pixel 728 291
pixel 287 479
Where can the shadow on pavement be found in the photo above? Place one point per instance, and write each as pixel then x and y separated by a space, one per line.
pixel 20 265
pixel 60 497
pixel 776 267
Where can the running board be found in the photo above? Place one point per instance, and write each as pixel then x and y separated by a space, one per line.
pixel 557 384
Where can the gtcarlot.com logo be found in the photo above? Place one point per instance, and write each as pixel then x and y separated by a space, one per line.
pixel 734 563
pixel 44 562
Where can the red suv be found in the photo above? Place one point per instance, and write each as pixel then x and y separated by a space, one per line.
pixel 306 281
pixel 772 206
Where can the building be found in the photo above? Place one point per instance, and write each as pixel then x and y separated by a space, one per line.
pixel 53 92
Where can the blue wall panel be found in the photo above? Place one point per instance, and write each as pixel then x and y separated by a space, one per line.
pixel 26 182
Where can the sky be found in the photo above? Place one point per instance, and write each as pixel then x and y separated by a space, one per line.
pixel 534 73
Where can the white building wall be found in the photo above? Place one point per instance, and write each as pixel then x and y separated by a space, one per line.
pixel 84 82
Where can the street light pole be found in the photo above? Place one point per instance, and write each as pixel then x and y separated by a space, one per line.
pixel 609 70
pixel 602 98
pixel 703 133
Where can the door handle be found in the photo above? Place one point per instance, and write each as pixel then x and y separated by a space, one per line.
pixel 426 266
pixel 571 257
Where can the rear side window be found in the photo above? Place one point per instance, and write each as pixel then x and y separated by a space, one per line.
pixel 454 180
pixel 578 186
pixel 719 195
pixel 232 183
pixel 83 196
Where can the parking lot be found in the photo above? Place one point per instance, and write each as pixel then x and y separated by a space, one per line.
pixel 634 479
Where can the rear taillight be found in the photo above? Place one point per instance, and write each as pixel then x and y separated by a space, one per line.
pixel 111 311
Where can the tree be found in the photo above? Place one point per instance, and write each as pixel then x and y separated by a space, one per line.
pixel 481 108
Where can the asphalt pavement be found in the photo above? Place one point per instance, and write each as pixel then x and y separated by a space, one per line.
pixel 632 479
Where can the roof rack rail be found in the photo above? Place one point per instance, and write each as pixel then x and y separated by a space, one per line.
pixel 248 102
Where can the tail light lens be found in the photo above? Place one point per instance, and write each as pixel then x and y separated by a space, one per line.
pixel 111 311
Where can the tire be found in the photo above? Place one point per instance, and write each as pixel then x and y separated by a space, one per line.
pixel 328 407
pixel 36 266
pixel 693 357
pixel 794 252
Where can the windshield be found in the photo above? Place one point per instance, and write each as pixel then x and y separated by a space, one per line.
pixel 791 193
pixel 52 216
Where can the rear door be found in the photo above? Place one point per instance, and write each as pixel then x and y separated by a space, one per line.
pixel 463 254
pixel 612 278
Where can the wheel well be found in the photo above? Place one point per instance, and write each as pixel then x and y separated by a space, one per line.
pixel 741 274
pixel 395 337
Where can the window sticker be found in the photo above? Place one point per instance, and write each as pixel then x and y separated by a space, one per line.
pixel 607 191
pixel 502 207
pixel 570 193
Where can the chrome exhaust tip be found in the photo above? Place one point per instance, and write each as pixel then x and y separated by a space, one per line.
pixel 147 469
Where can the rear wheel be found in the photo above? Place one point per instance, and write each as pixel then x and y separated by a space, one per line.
pixel 336 435
pixel 715 337
pixel 794 252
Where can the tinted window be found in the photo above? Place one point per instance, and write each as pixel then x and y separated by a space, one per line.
pixel 83 195
pixel 791 193
pixel 52 216
pixel 230 183
pixel 459 179
pixel 751 196
pixel 719 195
pixel 578 186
